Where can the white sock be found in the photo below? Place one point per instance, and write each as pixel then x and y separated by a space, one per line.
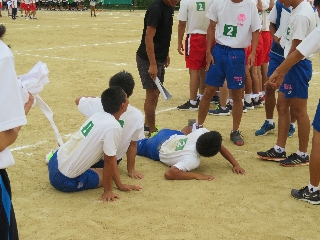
pixel 199 96
pixel 193 102
pixel 279 149
pixel 270 121
pixel 312 188
pixel 302 154
pixel 247 98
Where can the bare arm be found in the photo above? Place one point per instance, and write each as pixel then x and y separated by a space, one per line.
pixel 271 5
pixel 210 41
pixel 9 136
pixel 175 174
pixel 235 165
pixel 131 160
pixel 150 33
pixel 181 30
pixel 272 28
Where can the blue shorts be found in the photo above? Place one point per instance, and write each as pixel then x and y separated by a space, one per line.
pixel 229 63
pixel 150 147
pixel 274 62
pixel 316 120
pixel 296 81
pixel 87 180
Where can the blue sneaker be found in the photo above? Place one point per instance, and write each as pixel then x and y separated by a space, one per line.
pixel 291 131
pixel 219 111
pixel 265 129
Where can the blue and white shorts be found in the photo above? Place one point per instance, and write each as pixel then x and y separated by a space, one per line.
pixel 87 180
pixel 296 81
pixel 229 64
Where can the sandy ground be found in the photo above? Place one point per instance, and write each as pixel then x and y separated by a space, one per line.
pixel 82 53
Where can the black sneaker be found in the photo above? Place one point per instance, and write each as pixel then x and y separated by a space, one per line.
pixel 295 160
pixel 272 155
pixel 236 138
pixel 188 106
pixel 257 104
pixel 304 195
pixel 229 106
pixel 249 105
pixel 215 99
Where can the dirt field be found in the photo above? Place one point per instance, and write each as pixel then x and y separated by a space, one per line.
pixel 82 53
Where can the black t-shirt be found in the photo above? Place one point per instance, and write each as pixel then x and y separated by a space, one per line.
pixel 160 16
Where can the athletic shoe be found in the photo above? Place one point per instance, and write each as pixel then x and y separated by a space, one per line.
pixel 304 195
pixel 215 99
pixel 265 129
pixel 291 130
pixel 249 105
pixel 188 106
pixel 146 131
pixel 257 104
pixel 272 155
pixel 153 133
pixel 236 138
pixel 244 109
pixel 229 105
pixel 263 98
pixel 49 156
pixel 295 160
pixel 219 111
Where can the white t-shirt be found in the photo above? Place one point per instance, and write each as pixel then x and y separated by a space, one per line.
pixel 194 13
pixel 311 43
pixel 11 108
pixel 265 14
pixel 100 134
pixel 180 151
pixel 133 122
pixel 301 24
pixel 235 22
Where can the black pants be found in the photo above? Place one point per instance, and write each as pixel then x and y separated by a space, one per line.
pixel 8 224
pixel 14 13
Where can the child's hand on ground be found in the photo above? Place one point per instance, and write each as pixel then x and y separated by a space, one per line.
pixel 109 196
pixel 134 174
pixel 239 170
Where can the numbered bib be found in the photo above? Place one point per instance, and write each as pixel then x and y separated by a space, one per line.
pixel 201 6
pixel 180 145
pixel 230 30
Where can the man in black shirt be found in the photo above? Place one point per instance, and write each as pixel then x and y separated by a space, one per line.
pixel 153 54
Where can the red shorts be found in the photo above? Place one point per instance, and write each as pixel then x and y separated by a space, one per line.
pixel 27 7
pixel 267 40
pixel 195 51
pixel 33 7
pixel 22 5
pixel 0 5
pixel 259 56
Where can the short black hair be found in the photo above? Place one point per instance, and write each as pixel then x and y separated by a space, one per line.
pixel 2 30
pixel 124 80
pixel 316 3
pixel 112 98
pixel 209 144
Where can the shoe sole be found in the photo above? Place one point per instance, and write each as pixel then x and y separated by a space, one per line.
pixel 271 159
pixel 306 200
pixel 189 109
pixel 270 131
pixel 250 108
pixel 294 165
pixel 220 114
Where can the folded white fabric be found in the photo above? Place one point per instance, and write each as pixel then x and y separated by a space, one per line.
pixel 33 82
